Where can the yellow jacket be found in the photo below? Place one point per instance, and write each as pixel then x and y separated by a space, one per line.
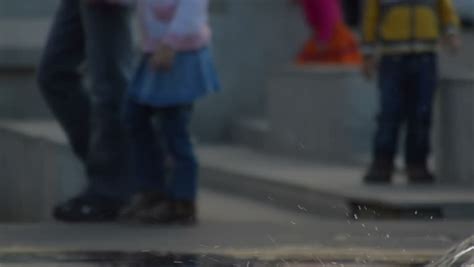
pixel 406 26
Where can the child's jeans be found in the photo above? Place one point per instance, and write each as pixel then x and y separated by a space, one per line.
pixel 151 144
pixel 407 86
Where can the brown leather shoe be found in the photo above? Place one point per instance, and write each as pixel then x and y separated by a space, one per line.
pixel 170 212
pixel 184 212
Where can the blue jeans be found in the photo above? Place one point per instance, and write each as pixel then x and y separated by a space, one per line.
pixel 407 86
pixel 151 144
pixel 98 35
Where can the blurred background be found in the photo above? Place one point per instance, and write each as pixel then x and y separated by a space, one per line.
pixel 256 157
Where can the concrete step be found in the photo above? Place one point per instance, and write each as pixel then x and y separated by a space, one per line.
pixel 17 9
pixel 328 190
pixel 251 133
pixel 38 170
pixel 20 97
pixel 323 113
pixel 21 41
pixel 255 134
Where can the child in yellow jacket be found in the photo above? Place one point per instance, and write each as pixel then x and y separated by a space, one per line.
pixel 406 33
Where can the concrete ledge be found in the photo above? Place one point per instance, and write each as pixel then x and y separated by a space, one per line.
pixel 38 169
pixel 455 157
pixel 251 133
pixel 21 42
pixel 334 191
pixel 321 112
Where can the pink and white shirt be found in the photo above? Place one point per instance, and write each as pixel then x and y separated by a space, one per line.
pixel 181 24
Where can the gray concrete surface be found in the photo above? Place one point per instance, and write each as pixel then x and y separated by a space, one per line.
pixel 250 132
pixel 321 112
pixel 330 190
pixel 242 228
pixel 19 98
pixel 17 9
pixel 38 170
pixel 455 158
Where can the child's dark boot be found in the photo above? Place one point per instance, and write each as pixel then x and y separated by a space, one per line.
pixel 380 172
pixel 419 175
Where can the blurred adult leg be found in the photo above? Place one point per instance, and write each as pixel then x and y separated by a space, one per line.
pixel 99 33
pixel 59 78
pixel 108 50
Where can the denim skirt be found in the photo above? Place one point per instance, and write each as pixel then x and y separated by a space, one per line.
pixel 192 76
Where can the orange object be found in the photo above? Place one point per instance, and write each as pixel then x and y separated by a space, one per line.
pixel 343 48
pixel 332 41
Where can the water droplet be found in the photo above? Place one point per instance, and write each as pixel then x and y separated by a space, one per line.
pixel 356 217
pixel 271 239
pixel 301 146
pixel 387 236
pixel 302 208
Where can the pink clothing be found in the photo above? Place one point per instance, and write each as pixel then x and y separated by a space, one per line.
pixel 181 24
pixel 323 16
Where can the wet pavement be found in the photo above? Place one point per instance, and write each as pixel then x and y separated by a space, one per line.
pixel 234 232
pixel 148 259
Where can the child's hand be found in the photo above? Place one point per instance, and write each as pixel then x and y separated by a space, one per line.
pixel 453 43
pixel 163 57
pixel 368 67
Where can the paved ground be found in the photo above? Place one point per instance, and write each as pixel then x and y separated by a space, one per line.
pixel 240 227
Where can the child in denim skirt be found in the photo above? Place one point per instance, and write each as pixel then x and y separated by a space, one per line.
pixel 176 69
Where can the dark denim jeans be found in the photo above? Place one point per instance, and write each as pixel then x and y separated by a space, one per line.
pixel 151 144
pixel 407 87
pixel 99 36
